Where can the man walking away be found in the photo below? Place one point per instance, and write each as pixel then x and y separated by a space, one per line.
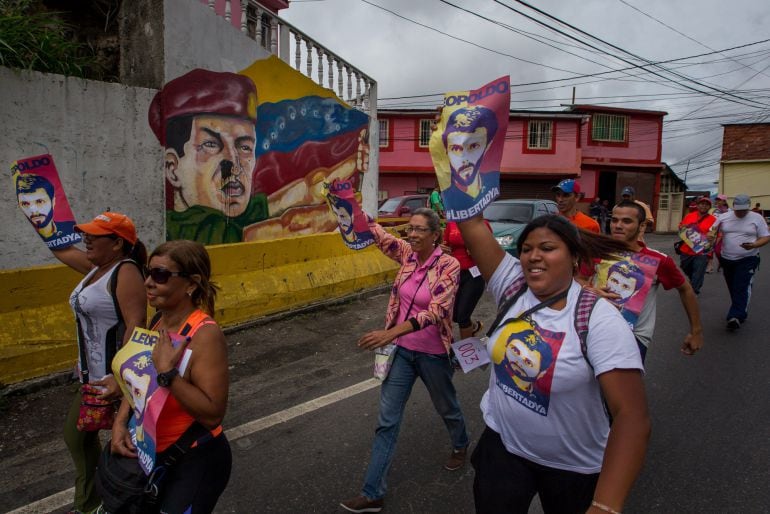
pixel 742 233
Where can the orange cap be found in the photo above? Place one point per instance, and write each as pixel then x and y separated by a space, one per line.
pixel 110 223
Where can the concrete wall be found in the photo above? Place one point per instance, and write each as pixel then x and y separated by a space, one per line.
pixel 195 37
pixel 103 149
pixel 37 331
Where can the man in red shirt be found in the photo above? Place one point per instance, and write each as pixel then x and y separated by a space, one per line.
pixel 567 195
pixel 694 230
pixel 628 218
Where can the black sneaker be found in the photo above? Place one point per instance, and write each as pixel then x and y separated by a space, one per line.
pixel 362 504
pixel 733 324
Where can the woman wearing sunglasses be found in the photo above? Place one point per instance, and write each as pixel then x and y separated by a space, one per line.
pixel 192 370
pixel 108 303
pixel 419 322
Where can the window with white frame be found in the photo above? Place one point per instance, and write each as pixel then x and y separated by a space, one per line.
pixel 539 134
pixel 425 131
pixel 609 127
pixel 384 135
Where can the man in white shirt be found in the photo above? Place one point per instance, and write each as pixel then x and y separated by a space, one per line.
pixel 742 233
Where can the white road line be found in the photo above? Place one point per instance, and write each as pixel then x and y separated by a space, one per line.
pixel 64 498
pixel 298 410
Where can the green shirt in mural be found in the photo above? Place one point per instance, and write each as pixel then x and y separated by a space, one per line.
pixel 210 226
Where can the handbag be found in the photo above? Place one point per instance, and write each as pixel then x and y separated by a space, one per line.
pixel 383 356
pixel 95 413
pixel 120 483
pixel 123 485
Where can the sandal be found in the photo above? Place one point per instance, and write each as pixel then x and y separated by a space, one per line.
pixel 478 326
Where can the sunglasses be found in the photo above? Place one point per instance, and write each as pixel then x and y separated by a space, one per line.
pixel 161 275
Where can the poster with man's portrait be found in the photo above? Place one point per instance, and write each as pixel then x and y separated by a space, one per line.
pixel 41 198
pixel 352 221
pixel 695 239
pixel 631 277
pixel 467 147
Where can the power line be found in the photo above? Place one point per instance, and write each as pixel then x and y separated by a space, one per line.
pixel 677 31
pixel 734 98
pixel 465 40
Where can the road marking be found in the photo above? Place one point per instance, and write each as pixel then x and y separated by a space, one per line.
pixel 64 498
pixel 298 410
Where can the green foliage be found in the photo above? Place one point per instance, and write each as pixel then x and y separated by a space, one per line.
pixel 40 40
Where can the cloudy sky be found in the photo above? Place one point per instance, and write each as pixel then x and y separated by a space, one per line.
pixel 426 47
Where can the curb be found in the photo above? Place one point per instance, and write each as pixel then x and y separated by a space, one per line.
pixel 61 378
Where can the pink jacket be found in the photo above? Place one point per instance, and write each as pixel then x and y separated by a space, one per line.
pixel 443 279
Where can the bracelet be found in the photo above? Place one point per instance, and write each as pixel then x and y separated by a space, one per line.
pixel 603 507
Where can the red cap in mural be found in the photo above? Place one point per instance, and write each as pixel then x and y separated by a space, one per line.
pixel 203 92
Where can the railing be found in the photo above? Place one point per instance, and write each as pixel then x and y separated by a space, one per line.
pixel 300 51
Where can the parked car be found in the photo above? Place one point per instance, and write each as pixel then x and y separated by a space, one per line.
pixel 397 210
pixel 509 217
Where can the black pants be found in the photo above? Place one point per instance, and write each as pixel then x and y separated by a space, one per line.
pixel 468 294
pixel 506 483
pixel 198 479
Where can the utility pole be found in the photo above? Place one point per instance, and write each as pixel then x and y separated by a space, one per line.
pixel 573 95
pixel 685 174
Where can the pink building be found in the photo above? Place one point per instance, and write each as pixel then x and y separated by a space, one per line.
pixel 605 148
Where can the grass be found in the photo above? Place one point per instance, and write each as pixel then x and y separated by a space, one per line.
pixel 39 40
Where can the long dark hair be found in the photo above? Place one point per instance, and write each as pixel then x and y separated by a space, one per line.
pixel 584 245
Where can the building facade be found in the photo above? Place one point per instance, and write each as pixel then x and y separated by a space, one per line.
pixel 745 164
pixel 606 149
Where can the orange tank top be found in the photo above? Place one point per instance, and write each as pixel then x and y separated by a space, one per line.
pixel 174 420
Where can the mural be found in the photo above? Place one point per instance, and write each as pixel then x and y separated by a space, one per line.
pixel 467 147
pixel 247 155
pixel 41 198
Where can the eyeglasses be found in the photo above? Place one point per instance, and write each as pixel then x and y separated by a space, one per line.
pixel 161 275
pixel 419 230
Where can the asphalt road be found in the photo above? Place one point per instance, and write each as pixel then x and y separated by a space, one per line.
pixel 709 450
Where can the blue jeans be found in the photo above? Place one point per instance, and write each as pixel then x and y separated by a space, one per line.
pixel 436 373
pixel 739 276
pixel 694 266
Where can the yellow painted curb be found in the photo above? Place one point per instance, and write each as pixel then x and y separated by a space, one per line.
pixel 37 329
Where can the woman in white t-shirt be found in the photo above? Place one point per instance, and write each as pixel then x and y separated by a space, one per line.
pixel 548 432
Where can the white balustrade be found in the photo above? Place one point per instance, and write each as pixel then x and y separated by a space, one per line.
pixel 286 41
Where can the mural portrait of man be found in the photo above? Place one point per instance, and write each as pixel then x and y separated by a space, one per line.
pixel 206 122
pixel 468 135
pixel 37 200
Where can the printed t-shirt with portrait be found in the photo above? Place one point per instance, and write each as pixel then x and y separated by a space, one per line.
pixel 669 276
pixel 737 230
pixel 543 398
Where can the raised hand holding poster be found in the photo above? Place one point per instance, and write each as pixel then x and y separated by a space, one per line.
pixel 352 221
pixel 42 200
pixel 467 147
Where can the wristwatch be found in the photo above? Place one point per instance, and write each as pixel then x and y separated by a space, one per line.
pixel 165 379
